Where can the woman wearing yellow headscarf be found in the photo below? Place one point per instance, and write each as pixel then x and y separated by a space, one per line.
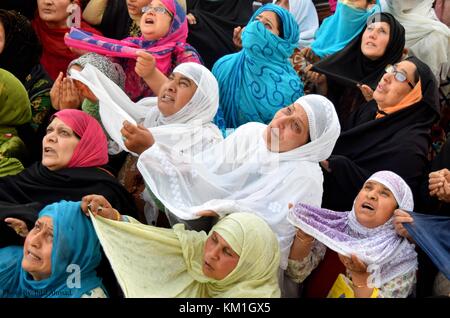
pixel 239 258
pixel 15 110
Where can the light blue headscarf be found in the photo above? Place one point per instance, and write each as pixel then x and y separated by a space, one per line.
pixel 342 27
pixel 259 80
pixel 74 242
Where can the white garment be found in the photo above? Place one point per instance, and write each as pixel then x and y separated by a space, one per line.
pixel 190 130
pixel 241 175
pixel 305 15
pixel 426 37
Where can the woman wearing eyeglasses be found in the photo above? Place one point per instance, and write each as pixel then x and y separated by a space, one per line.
pixel 147 60
pixel 164 33
pixel 391 132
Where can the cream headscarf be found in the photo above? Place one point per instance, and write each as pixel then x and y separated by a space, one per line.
pixel 155 262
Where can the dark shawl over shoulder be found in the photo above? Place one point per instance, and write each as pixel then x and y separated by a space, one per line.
pixel 350 66
pixel 116 21
pixel 37 184
pixel 398 142
pixel 212 36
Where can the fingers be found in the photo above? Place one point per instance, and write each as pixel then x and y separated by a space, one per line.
pixel 207 213
pixel 191 18
pixel 366 91
pixel 95 204
pixel 17 225
pixel 128 129
pixel 290 205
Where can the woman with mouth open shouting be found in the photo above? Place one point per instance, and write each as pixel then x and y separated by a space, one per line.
pixel 378 262
pixel 74 153
pixel 61 244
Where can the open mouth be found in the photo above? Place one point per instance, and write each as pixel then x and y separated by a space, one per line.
pixel 149 21
pixel 167 98
pixel 368 206
pixel 371 44
pixel 33 256
pixel 48 150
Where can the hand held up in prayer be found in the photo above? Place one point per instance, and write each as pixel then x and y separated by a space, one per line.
pixel 207 213
pixel 136 138
pixel 366 91
pixel 17 225
pixel 439 184
pixel 145 65
pixel 237 37
pixel 98 205
pixel 401 217
pixel 191 18
pixel 64 93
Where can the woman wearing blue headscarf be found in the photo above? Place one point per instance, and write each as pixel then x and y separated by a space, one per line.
pixel 259 80
pixel 343 26
pixel 58 260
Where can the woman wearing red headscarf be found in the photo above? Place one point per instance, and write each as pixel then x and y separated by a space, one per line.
pixel 74 151
pixel 50 24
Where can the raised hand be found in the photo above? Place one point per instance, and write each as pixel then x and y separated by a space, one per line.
pixel 136 138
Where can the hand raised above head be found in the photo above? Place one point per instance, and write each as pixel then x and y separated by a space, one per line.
pixel 17 225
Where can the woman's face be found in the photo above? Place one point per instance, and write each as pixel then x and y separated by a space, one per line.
pixel 58 145
pixel 374 205
pixel 135 7
pixel 219 259
pixel 270 21
pixel 289 129
pixel 375 40
pixel 391 91
pixel 2 37
pixel 54 12
pixel 37 249
pixel 83 89
pixel 175 94
pixel 155 25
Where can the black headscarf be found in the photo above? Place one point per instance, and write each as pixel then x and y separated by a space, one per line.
pixel 212 36
pixel 22 50
pixel 25 7
pixel 37 184
pixel 116 20
pixel 398 142
pixel 349 66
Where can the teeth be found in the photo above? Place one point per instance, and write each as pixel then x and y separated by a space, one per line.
pixel 33 256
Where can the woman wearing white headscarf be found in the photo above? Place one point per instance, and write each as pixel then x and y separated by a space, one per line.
pixel 305 14
pixel 379 263
pixel 258 169
pixel 188 130
pixel 426 37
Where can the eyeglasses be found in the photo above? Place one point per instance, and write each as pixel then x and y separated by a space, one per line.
pixel 160 10
pixel 399 76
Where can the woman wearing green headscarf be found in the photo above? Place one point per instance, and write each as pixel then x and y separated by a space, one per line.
pixel 15 110
pixel 239 258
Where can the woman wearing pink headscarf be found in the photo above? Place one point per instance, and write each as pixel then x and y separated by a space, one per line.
pixel 74 154
pixel 162 44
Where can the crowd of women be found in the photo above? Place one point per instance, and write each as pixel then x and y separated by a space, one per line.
pixel 171 148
